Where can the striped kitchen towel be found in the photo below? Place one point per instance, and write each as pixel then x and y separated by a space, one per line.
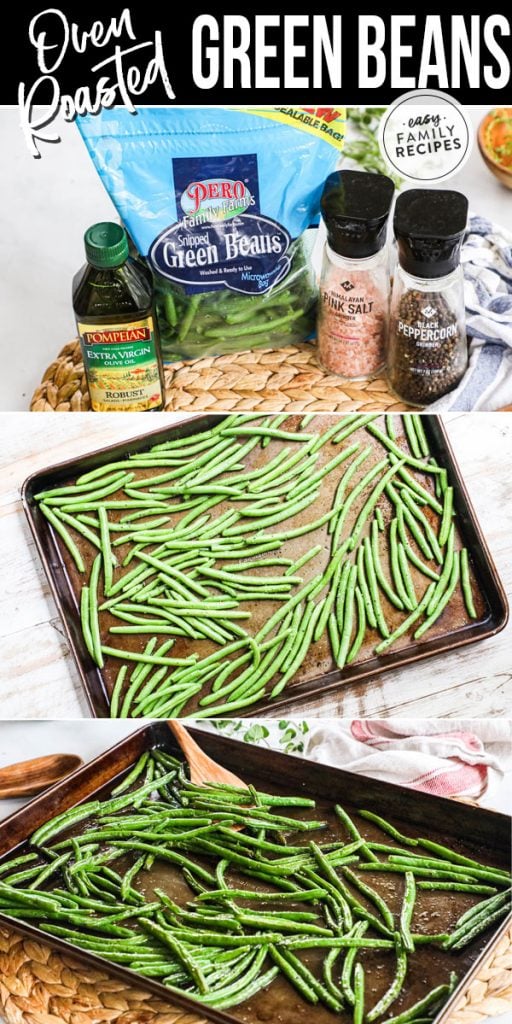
pixel 468 758
pixel 487 266
pixel 465 758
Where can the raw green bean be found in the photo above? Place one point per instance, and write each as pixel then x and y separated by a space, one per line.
pixel 321 473
pixel 365 590
pixel 371 577
pixel 406 625
pixel 348 619
pixel 443 601
pixel 411 520
pixel 379 572
pixel 409 551
pixel 412 438
pixel 446 521
pixel 370 503
pixel 406 577
pixel 176 585
pixel 106 550
pixel 466 584
pixel 117 690
pixel 361 627
pixel 359 421
pixel 444 578
pixel 345 480
pixel 93 611
pixel 416 487
pixel 328 602
pixel 79 502
pixel 417 421
pixel 65 536
pixel 342 591
pixel 390 426
pixel 85 620
pixel 78 487
pixel 400 454
pixel 80 527
pixel 352 497
pixel 395 567
pixel 430 536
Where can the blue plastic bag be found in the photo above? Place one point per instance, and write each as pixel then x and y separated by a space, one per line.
pixel 218 201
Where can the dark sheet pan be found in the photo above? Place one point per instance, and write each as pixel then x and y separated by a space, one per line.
pixel 318 673
pixel 470 830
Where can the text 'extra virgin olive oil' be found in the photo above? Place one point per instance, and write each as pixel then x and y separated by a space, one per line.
pixel 113 304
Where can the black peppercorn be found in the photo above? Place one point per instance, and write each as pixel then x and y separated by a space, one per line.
pixel 427 346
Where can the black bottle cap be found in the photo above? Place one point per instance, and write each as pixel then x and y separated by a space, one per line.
pixel 355 207
pixel 429 227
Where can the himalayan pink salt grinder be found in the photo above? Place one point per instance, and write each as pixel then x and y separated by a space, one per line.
pixel 353 308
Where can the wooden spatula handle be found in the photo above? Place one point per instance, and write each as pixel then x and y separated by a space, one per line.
pixel 189 746
pixel 202 768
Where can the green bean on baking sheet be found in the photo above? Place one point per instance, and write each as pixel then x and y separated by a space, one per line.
pixel 202 928
pixel 192 541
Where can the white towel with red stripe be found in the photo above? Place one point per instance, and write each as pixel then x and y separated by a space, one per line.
pixel 449 758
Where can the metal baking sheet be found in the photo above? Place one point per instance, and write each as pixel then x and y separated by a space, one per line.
pixel 318 673
pixel 470 830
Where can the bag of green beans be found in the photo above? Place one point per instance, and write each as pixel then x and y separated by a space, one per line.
pixel 219 202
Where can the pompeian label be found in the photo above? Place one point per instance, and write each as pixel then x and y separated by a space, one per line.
pixel 121 365
pixel 221 239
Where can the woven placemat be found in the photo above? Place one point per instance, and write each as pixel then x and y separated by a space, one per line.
pixel 266 380
pixel 41 986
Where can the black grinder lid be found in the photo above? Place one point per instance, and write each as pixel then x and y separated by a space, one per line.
pixel 355 207
pixel 429 226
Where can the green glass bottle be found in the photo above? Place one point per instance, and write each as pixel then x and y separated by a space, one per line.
pixel 117 326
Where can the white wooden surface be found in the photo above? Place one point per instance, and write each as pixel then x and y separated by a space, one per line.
pixel 39 678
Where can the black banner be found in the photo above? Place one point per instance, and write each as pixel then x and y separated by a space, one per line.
pixel 78 58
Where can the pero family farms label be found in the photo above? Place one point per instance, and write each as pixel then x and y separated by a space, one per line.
pixel 122 366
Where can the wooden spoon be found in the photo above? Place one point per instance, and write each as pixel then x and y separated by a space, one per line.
pixel 26 778
pixel 202 768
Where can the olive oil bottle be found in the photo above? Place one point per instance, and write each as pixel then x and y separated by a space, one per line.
pixel 117 326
